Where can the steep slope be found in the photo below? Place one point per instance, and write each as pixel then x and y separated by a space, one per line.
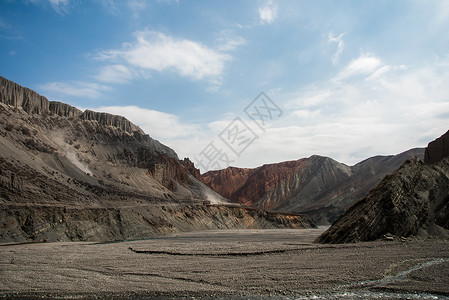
pixel 364 176
pixel 318 186
pixel 58 163
pixel 437 149
pixel 412 200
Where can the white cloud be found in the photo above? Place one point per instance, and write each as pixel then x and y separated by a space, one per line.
pixel 157 51
pixel 268 12
pixel 186 139
pixel 159 125
pixel 441 11
pixel 74 88
pixel 388 110
pixel 229 42
pixel 137 7
pixel 363 65
pixel 115 74
pixel 340 45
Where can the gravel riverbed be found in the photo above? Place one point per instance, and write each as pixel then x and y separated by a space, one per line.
pixel 227 264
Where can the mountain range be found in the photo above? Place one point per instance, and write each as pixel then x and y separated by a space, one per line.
pixel 66 174
pixel 317 186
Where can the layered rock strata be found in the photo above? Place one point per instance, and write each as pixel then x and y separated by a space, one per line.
pixel 413 200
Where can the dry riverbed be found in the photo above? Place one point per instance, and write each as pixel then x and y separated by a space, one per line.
pixel 227 264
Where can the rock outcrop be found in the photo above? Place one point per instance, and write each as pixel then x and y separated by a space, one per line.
pixel 437 149
pixel 20 97
pixel 63 109
pixel 318 186
pixel 413 200
pixel 32 103
pixel 111 120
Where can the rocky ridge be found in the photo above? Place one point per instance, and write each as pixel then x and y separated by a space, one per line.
pixel 31 102
pixel 318 186
pixel 413 200
pixel 437 149
pixel 58 161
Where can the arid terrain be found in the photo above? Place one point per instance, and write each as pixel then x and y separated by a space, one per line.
pixel 91 207
pixel 227 264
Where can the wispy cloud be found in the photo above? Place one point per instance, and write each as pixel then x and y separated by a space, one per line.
pixel 7 31
pixel 60 6
pixel 57 90
pixel 363 65
pixel 115 74
pixel 387 110
pixel 268 12
pixel 340 45
pixel 137 7
pixel 228 41
pixel 156 51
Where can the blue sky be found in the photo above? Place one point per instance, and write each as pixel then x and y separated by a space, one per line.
pixel 352 79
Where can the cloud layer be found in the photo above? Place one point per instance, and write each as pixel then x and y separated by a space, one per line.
pixel 156 51
pixel 74 88
pixel 268 12
pixel 373 108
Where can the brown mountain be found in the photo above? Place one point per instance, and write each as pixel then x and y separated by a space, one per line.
pixel 414 200
pixel 72 175
pixel 318 186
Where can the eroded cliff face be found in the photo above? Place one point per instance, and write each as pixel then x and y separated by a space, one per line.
pixel 32 103
pixel 21 97
pixel 111 120
pixel 413 200
pixel 63 109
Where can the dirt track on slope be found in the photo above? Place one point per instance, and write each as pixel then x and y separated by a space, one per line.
pixel 257 264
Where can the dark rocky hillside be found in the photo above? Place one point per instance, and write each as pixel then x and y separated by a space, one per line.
pixel 414 200
pixel 72 175
pixel 318 186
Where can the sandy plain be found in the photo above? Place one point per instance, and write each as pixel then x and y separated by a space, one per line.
pixel 227 264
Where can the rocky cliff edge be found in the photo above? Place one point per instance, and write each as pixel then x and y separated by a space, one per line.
pixel 29 101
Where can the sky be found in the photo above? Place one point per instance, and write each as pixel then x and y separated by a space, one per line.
pixel 243 83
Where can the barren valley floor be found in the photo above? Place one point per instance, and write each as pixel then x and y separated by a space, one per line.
pixel 227 264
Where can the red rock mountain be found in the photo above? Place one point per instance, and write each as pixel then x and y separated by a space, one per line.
pixel 318 186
